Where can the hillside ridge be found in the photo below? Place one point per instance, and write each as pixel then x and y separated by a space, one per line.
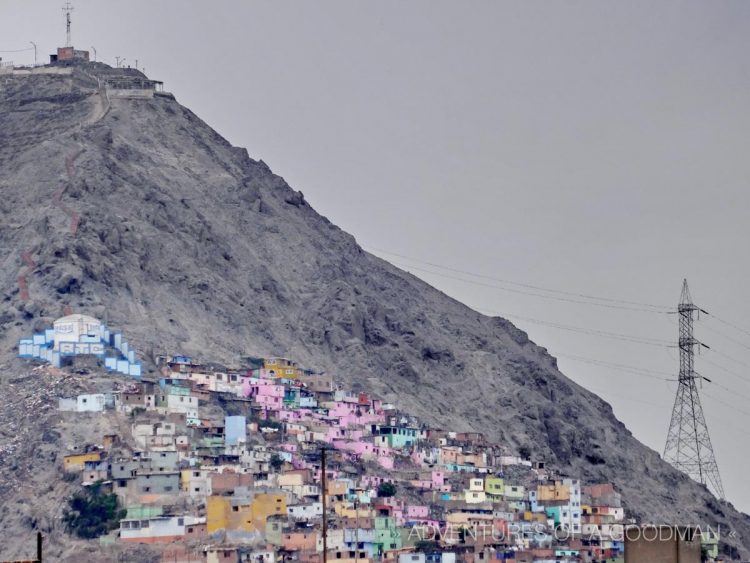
pixel 134 210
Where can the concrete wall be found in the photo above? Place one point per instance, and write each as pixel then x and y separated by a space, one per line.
pixel 662 545
pixel 139 94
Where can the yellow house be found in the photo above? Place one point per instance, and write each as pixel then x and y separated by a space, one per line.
pixel 494 487
pixel 534 516
pixel 293 482
pixel 75 462
pixel 249 515
pixel 290 479
pixel 558 491
pixel 476 484
pixel 337 488
pixel 514 492
pixel 281 367
pixel 474 497
pixel 345 509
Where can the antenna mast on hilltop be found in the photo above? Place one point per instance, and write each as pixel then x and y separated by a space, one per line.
pixel 67 10
pixel 688 446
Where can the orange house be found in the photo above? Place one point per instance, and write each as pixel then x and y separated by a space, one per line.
pixel 301 541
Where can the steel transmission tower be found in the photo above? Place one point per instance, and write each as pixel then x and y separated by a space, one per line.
pixel 688 445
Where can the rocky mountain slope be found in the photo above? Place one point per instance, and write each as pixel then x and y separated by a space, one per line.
pixel 136 211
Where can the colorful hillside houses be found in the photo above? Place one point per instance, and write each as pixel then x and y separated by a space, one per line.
pixel 233 457
pixel 81 335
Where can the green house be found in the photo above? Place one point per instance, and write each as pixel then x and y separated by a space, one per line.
pixel 494 487
pixel 387 534
pixel 397 436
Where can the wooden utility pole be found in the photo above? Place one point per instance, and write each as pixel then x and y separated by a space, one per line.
pixel 356 530
pixel 323 501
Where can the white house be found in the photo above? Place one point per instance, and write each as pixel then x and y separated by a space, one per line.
pixel 305 511
pixel 94 402
pixel 411 558
pixel 156 529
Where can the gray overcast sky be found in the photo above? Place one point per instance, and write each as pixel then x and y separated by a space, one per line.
pixel 593 147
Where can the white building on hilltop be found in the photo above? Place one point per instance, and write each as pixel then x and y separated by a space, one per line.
pixel 78 334
pixel 81 335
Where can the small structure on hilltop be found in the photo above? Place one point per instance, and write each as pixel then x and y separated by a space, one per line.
pixel 68 53
pixel 81 335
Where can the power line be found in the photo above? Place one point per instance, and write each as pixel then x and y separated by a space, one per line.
pixel 746 413
pixel 18 50
pixel 588 299
pixel 732 391
pixel 627 398
pixel 541 295
pixel 730 372
pixel 593 332
pixel 654 374
pixel 720 333
pixel 730 324
pixel 730 358
pixel 640 305
pixel 619 367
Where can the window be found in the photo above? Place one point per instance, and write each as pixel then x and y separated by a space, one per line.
pixel 144 524
pixel 168 488
pixel 180 521
pixel 235 509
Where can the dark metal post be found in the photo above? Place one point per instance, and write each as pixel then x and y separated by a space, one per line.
pixel 323 501
pixel 39 547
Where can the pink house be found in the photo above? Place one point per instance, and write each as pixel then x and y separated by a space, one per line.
pixel 253 387
pixel 421 484
pixel 289 416
pixel 417 512
pixel 334 433
pixel 247 385
pixel 396 503
pixel 372 481
pixel 359 448
pixel 331 473
pixel 353 414
pixel 385 462
pixel 438 479
pixel 299 463
pixel 266 394
pixel 398 516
